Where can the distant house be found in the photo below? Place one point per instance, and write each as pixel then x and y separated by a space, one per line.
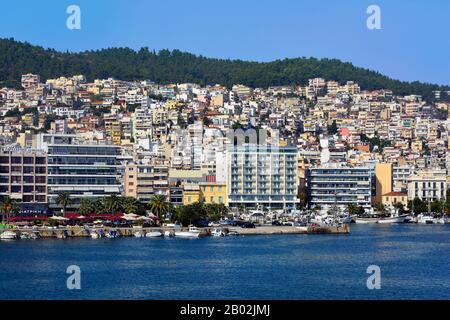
pixel 391 198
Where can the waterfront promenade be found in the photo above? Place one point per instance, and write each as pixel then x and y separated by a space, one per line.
pixel 79 232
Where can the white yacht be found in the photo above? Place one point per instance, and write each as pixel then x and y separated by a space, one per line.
pixel 154 234
pixel 8 235
pixel 426 219
pixel 193 232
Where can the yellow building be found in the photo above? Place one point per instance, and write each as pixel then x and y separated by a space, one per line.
pixel 213 193
pixel 383 183
pixel 116 133
pixel 191 194
pixel 28 119
pixel 391 198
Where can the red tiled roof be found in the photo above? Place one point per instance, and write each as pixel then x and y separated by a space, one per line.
pixel 395 194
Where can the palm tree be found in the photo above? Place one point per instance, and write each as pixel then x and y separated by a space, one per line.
pixel 8 206
pixel 86 206
pixel 158 205
pixel 112 203
pixel 64 201
pixel 130 205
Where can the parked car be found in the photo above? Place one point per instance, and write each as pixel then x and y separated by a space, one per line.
pixel 288 223
pixel 248 225
pixel 232 223
pixel 276 223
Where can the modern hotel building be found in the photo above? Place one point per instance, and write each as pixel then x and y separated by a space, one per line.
pixel 84 170
pixel 262 176
pixel 339 184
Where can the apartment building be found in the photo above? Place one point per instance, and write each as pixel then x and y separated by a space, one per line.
pixel 339 184
pixel 143 181
pixel 23 177
pixel 264 176
pixel 427 186
pixel 82 169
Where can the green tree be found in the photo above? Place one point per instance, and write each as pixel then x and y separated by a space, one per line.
pixel 86 206
pixel 190 214
pixel 381 208
pixel 130 205
pixel 99 206
pixel 64 201
pixel 158 205
pixel 215 212
pixel 417 206
pixel 353 209
pixel 437 206
pixel 8 206
pixel 400 207
pixel 112 204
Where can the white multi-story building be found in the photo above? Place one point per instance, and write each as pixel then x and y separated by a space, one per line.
pixel 80 169
pixel 427 186
pixel 262 176
pixel 339 184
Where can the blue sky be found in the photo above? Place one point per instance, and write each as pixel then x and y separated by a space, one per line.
pixel 413 43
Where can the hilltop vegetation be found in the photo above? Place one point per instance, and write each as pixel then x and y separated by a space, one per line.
pixel 166 66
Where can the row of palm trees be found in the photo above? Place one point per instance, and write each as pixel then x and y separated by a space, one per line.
pixel 113 203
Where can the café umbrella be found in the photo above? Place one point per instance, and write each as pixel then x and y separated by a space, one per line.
pixel 57 218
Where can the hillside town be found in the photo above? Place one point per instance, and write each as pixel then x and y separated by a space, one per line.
pixel 285 148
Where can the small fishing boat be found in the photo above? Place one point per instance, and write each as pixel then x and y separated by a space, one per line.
pixel 154 234
pixel 35 235
pixel 112 234
pixel 25 235
pixel 218 232
pixel 168 234
pixel 8 235
pixel 366 220
pixel 97 234
pixel 393 219
pixel 426 219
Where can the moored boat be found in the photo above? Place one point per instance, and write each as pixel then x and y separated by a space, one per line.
pixel 218 232
pixel 139 234
pixel 193 232
pixel 426 219
pixel 398 219
pixel 8 235
pixel 154 234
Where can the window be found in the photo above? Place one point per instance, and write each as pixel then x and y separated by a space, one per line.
pixel 220 200
pixel 212 199
pixel 211 189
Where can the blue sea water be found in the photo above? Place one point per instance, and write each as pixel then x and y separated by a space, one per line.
pixel 414 262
